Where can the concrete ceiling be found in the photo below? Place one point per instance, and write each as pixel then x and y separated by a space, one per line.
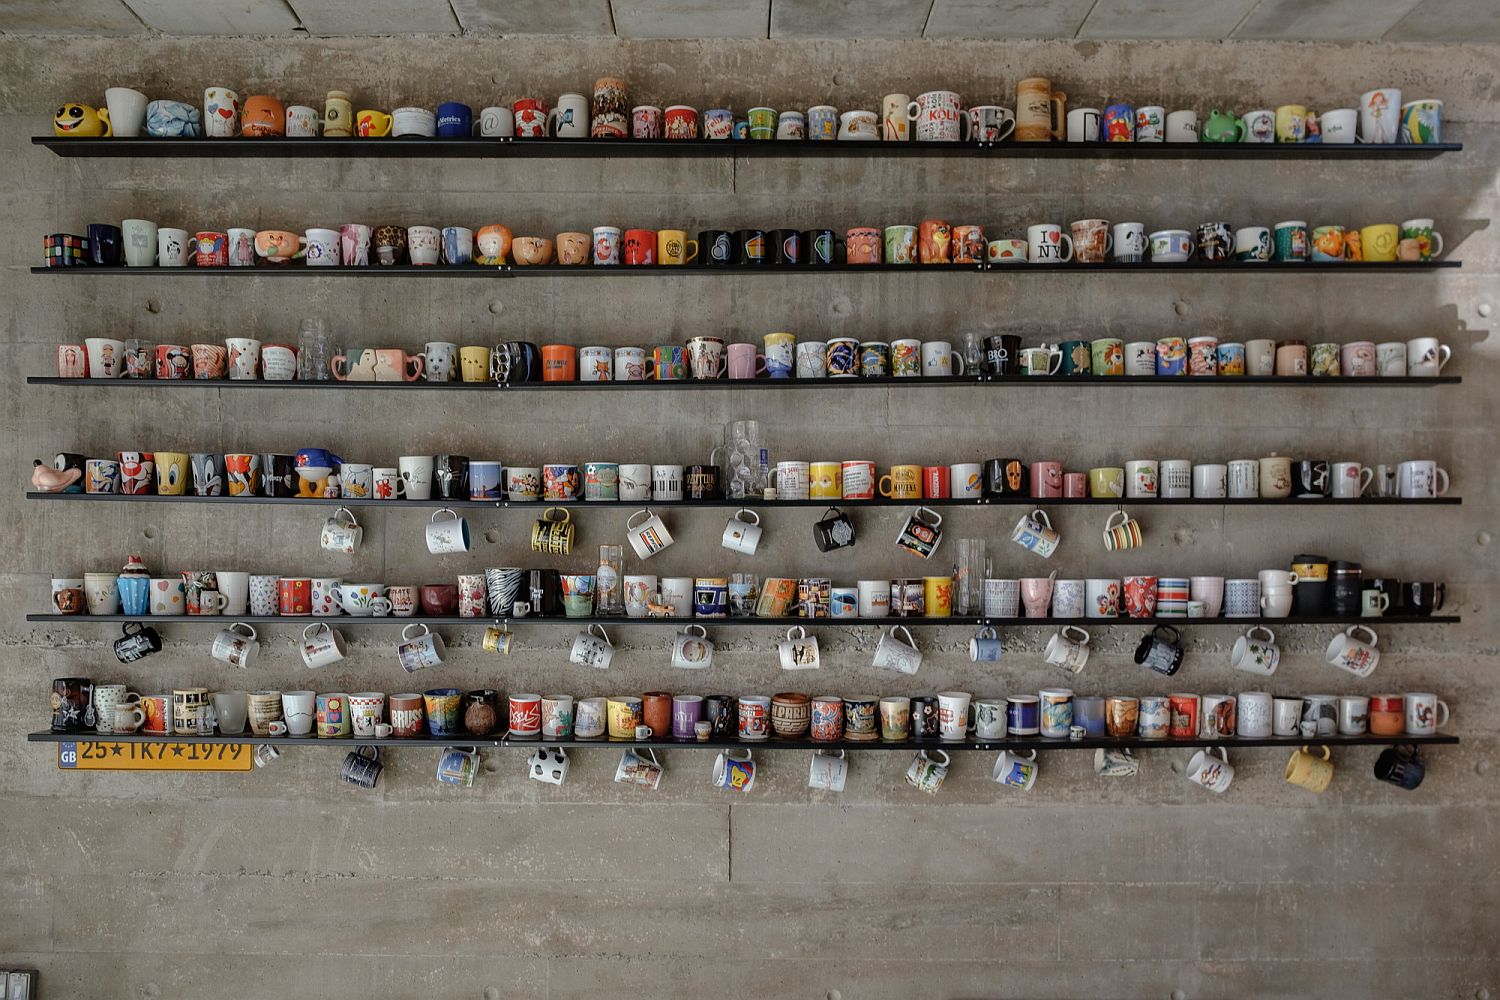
pixel 1306 20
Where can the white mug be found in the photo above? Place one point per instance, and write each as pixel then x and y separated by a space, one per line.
pixel 570 119
pixel 791 480
pixel 321 645
pixel 1046 242
pixel 450 534
pixel 497 122
pixel 1350 480
pixel 990 719
pixel 741 535
pixel 1210 481
pixel 1130 247
pixel 1069 648
pixel 417 651
pixel 1421 480
pixel 953 715
pixel 235 645
pixel 891 653
pixel 1014 768
pixel 341 532
pixel 799 651
pixel 592 650
pixel 829 771
pixel 635 482
pixel 666 482
pixel 416 473
pixel 1213 773
pixel 1182 126
pixel 1422 714
pixel 1339 126
pixel 322 247
pixel 1358 656
pixel 647 537
pixel 1083 124
pixel 1425 357
pixel 939 361
pixel 1256 655
pixel 640 591
pixel 1034 532
pixel 548 765
pixel 1380 115
pixel 874 598
pixel 1286 714
pixel 1253 711
pixel 692 650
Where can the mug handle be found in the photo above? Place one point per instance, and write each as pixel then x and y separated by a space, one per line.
pixel 913 111
pixel 440 510
pixel 745 510
pixel 411 374
pixel 602 634
pixel 353 523
pixel 905 632
pixel 1080 630
pixel 962 368
pixel 1270 636
pixel 884 490
pixel 1365 480
pixel 1363 628
pixel 630 521
pixel 1441 592
pixel 248 628
pixel 692 254
pixel 1006 128
pixel 1444 720
pixel 1040 516
pixel 1442 474
pixel 703 632
pixel 315 626
pixel 405 637
pixel 801 632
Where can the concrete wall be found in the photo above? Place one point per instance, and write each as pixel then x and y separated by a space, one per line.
pixel 285 880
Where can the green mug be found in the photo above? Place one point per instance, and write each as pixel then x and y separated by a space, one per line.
pixel 1076 355
pixel 762 123
pixel 1291 241
pixel 1107 356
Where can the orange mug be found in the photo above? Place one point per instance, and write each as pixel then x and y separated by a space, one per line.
pixel 863 245
pixel 559 363
pixel 573 248
pixel 935 241
pixel 277 246
pixel 263 115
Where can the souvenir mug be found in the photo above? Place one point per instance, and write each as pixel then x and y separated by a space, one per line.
pixel 1034 532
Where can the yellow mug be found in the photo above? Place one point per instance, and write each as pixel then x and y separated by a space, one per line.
pixel 903 483
pixel 372 124
pixel 1307 770
pixel 1379 242
pixel 624 714
pixel 674 247
pixel 937 592
pixel 474 366
pixel 1106 483
pixel 825 480
pixel 171 473
pixel 1291 123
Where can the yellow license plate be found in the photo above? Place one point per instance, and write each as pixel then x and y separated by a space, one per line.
pixel 104 755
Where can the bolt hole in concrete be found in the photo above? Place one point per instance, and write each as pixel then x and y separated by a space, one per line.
pixel 1179 995
pixel 492 536
pixel 148 532
pixel 1181 308
pixel 497 308
pixel 153 305
pixel 835 995
pixel 491 993
pixel 1485 309
pixel 1485 538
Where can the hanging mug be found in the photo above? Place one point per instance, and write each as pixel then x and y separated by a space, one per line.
pixel 458 766
pixel 451 534
pixel 925 773
pixel 639 767
pixel 741 535
pixel 553 532
pixel 649 536
pixel 985 646
pixel 1069 648
pixel 417 651
pixel 834 531
pixel 1359 657
pixel 922 532
pixel 592 650
pixel 692 649
pixel 235 645
pixel 1122 534
pixel 799 651
pixel 1161 650
pixel 341 532
pixel 892 653
pixel 362 767
pixel 1034 533
pixel 138 642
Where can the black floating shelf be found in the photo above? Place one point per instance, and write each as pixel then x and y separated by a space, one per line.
pixel 910 746
pixel 922 621
pixel 415 146
pixel 730 385
pixel 537 505
pixel 658 271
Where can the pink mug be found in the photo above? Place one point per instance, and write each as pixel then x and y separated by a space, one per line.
pixel 744 362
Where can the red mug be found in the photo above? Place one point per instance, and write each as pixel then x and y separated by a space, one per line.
pixel 211 249
pixel 296 595
pixel 862 245
pixel 935 482
pixel 681 122
pixel 1387 715
pixel 440 599
pixel 173 361
pixel 531 118
pixel 1046 479
pixel 640 246
pixel 525 715
pixel 1075 484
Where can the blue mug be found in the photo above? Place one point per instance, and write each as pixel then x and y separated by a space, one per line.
pixel 710 600
pixel 318 458
pixel 135 595
pixel 454 120
pixel 1119 123
pixel 173 119
pixel 985 646
pixel 458 245
pixel 822 123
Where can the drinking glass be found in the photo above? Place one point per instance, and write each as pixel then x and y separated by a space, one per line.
pixel 314 354
pixel 969 572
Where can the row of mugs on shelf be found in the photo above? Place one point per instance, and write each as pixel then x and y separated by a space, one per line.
pixel 315 473
pixel 934 116
pixel 79 704
pixel 142 243
pixel 782 356
pixel 1314 586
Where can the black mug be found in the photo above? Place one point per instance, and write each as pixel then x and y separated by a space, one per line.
pixel 1344 585
pixel 361 770
pixel 1400 766
pixel 72 704
pixel 786 246
pixel 1310 479
pixel 1422 598
pixel 701 482
pixel 716 247
pixel 450 474
pixel 516 361
pixel 819 247
pixel 278 475
pixel 104 244
pixel 138 642
pixel 834 531
pixel 722 711
pixel 1005 477
pixel 1002 355
pixel 750 247
pixel 546 591
pixel 1161 650
pixel 924 717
